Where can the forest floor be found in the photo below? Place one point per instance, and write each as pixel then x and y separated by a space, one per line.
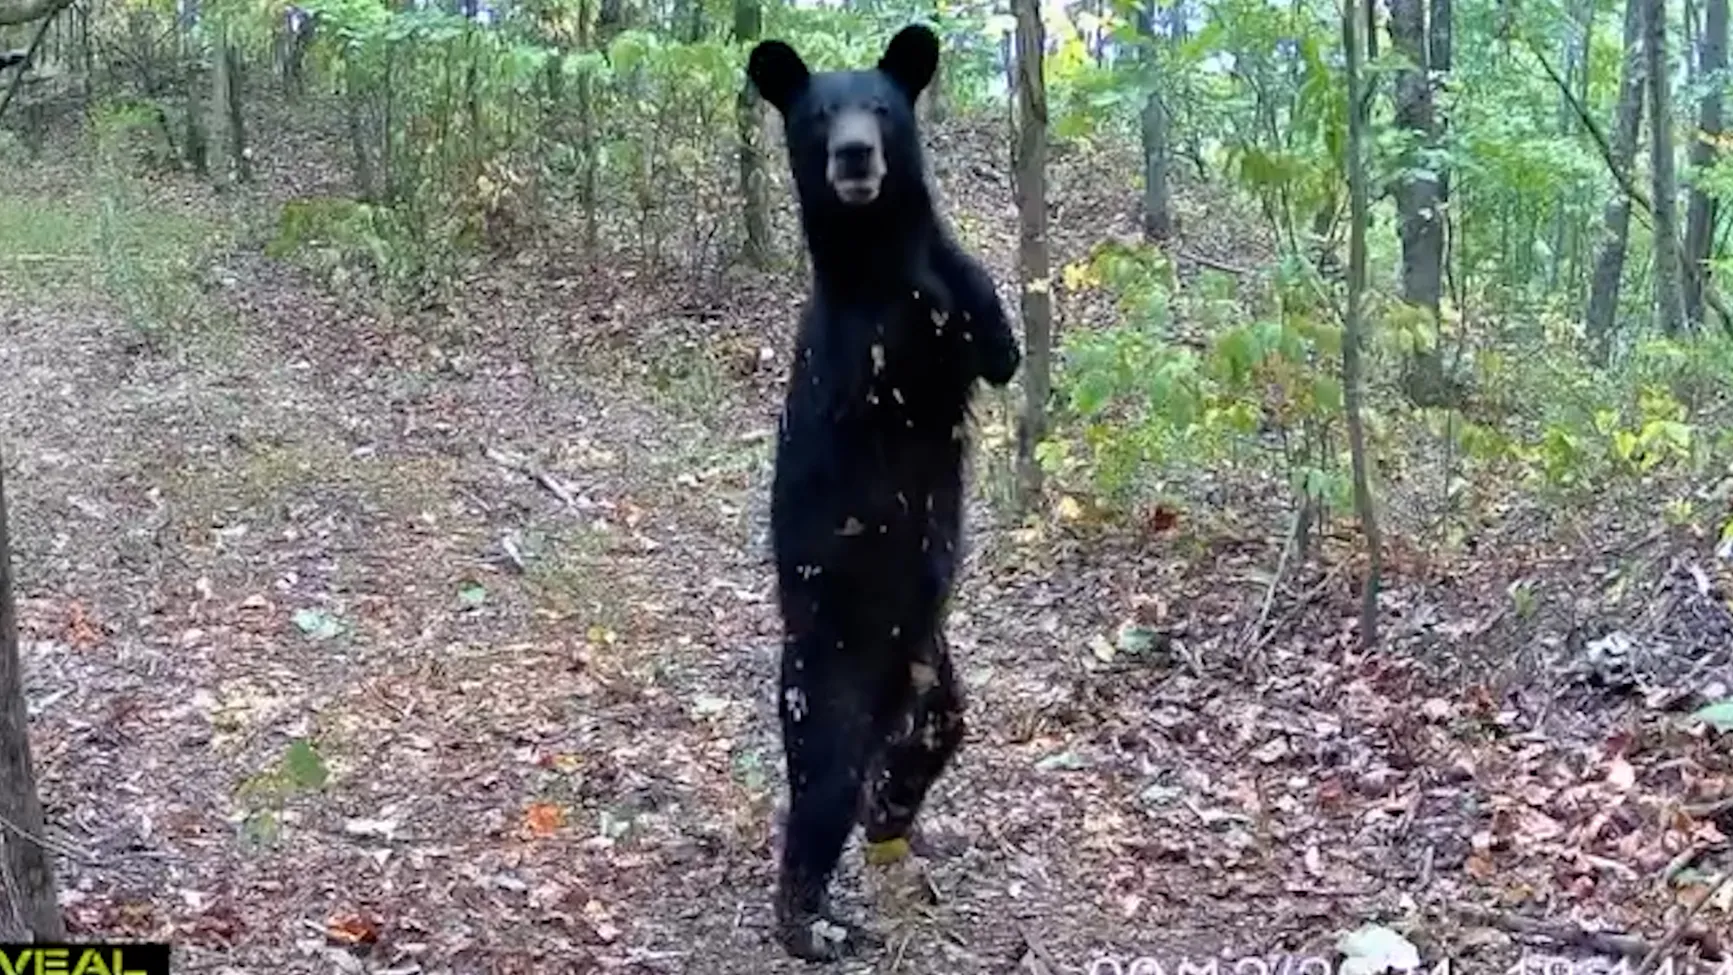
pixel 501 572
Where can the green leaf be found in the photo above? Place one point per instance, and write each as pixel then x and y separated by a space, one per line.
pixel 472 594
pixel 1719 714
pixel 1136 638
pixel 306 768
pixel 316 624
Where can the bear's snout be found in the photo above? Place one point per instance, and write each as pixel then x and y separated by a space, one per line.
pixel 857 158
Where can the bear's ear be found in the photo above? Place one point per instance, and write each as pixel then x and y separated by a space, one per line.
pixel 777 72
pixel 911 58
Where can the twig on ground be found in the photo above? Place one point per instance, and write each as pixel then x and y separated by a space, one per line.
pixel 1571 935
pixel 1710 810
pixel 1214 264
pixel 903 946
pixel 1602 942
pixel 1032 947
pixel 1653 958
pixel 534 471
pixel 1685 858
pixel 1252 640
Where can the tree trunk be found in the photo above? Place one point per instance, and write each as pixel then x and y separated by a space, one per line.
pixel 589 186
pixel 754 189
pixel 1157 205
pixel 234 112
pixel 1036 277
pixel 1352 326
pixel 1420 225
pixel 366 185
pixel 1420 191
pixel 1578 24
pixel 1441 36
pixel 1669 282
pixel 1616 217
pixel 196 139
pixel 1701 211
pixel 29 901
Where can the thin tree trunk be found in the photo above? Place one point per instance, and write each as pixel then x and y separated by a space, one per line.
pixel 1352 327
pixel 1669 282
pixel 1616 217
pixel 233 87
pixel 1701 211
pixel 1033 260
pixel 29 901
pixel 587 140
pixel 754 191
pixel 1157 205
pixel 193 56
pixel 1575 66
pixel 366 186
pixel 1441 38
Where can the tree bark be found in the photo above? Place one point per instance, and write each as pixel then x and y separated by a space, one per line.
pixel 1701 211
pixel 1157 205
pixel 1579 23
pixel 234 112
pixel 1420 225
pixel 1033 259
pixel 1352 326
pixel 1669 281
pixel 754 190
pixel 29 900
pixel 1616 217
pixel 589 187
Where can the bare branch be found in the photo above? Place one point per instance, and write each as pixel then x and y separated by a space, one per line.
pixel 13 12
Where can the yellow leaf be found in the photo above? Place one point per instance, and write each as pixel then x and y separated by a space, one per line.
pixel 1069 509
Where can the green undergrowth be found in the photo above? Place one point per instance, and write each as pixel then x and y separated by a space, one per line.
pixel 117 241
pixel 1193 390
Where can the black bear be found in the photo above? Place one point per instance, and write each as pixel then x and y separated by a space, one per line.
pixel 866 505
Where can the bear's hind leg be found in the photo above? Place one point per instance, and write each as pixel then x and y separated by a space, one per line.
pixel 918 757
pixel 829 730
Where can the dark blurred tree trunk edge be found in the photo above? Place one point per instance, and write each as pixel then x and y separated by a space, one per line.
pixel 29 900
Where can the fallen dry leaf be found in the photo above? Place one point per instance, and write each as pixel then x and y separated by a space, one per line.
pixel 352 929
pixel 544 818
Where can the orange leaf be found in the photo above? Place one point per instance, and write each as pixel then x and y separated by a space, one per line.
pixel 352 929
pixel 80 632
pixel 543 818
pixel 1479 866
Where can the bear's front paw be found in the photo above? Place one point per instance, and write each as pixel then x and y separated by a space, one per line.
pixel 993 346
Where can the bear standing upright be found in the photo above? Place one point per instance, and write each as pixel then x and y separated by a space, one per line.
pixel 867 500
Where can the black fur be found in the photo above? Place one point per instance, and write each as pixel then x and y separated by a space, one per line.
pixel 866 507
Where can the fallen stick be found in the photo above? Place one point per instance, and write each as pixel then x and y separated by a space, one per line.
pixel 1710 810
pixel 1625 945
pixel 1214 264
pixel 1576 936
pixel 534 471
pixel 1653 958
pixel 1251 640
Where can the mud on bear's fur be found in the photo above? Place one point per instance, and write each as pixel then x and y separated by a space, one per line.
pixel 866 505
